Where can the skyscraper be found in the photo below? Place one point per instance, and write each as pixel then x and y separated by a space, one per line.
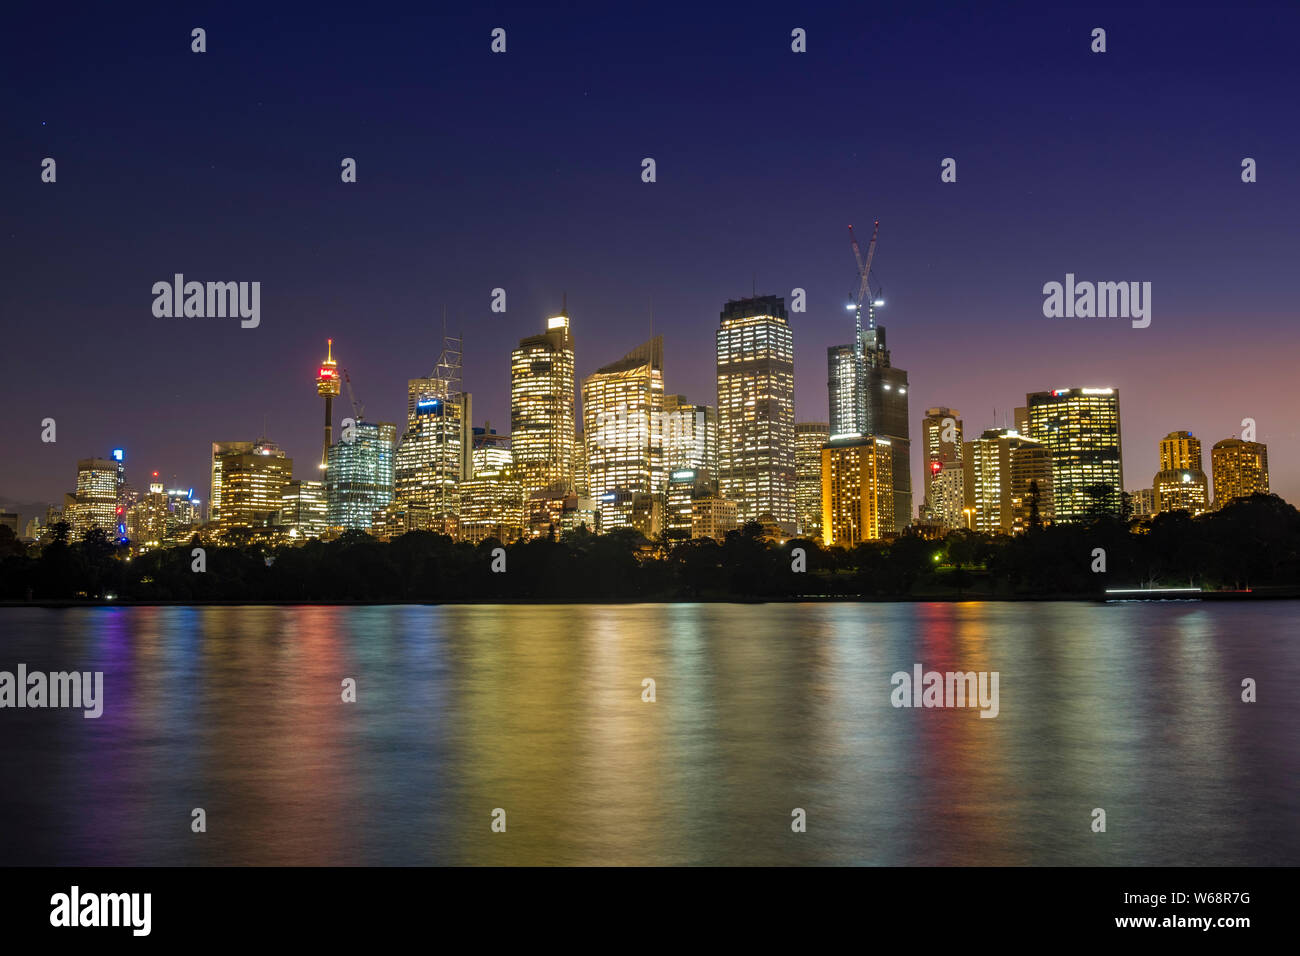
pixel 1240 469
pixel 886 404
pixel 756 457
pixel 1003 469
pixel 857 491
pixel 844 386
pixel 542 408
pixel 1081 429
pixel 1180 485
pixel 436 450
pixel 306 509
pixel 360 477
pixel 95 504
pixel 808 441
pixel 690 434
pixel 943 475
pixel 248 480
pixel 622 427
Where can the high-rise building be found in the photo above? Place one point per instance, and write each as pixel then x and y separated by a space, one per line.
pixel 1240 469
pixel 942 431
pixel 542 408
pixel 436 451
pixel 360 478
pixel 95 502
pixel 885 392
pixel 756 456
pixel 1142 503
pixel 713 517
pixel 305 509
pixel 690 435
pixel 328 387
pixel 491 452
pixel 622 420
pixel 148 520
pixel 857 490
pixel 1008 477
pixel 686 486
pixel 1181 485
pixel 1081 429
pixel 845 387
pixel 492 506
pixel 809 437
pixel 248 480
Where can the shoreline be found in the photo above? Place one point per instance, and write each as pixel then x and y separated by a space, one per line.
pixel 1274 594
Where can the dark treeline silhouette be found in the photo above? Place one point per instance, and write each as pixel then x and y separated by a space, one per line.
pixel 1252 543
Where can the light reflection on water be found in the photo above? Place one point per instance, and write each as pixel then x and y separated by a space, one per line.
pixel 1134 708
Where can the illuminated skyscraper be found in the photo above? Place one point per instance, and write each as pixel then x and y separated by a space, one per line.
pixel 1081 429
pixel 248 480
pixel 944 475
pixel 1002 470
pixel 857 491
pixel 756 441
pixel 491 506
pixel 1181 485
pixel 95 504
pixel 1240 469
pixel 491 452
pixel 328 386
pixel 622 416
pixel 542 408
pixel 436 450
pixel 305 509
pixel 845 385
pixel 359 480
pixel 690 435
pixel 885 392
pixel 809 437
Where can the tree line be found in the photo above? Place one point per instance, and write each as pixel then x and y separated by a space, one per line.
pixel 1252 543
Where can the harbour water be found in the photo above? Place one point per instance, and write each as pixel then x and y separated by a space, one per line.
pixel 759 710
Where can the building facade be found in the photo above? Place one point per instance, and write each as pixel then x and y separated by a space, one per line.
pixel 1081 429
pixel 756 437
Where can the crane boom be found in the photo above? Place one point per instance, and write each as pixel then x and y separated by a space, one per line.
pixel 357 409
pixel 864 267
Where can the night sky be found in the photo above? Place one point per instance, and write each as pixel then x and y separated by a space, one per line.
pixel 523 171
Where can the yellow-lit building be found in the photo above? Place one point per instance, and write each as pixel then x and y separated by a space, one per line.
pixel 95 503
pixel 1180 485
pixel 491 506
pixel 857 490
pixel 622 416
pixel 809 437
pixel 1081 429
pixel 1002 470
pixel 1240 469
pixel 543 408
pixel 713 516
pixel 248 481
pixel 756 435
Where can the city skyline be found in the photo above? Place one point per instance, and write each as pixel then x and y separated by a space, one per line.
pixel 371 264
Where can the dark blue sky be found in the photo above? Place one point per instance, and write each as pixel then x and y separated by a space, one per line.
pixel 522 171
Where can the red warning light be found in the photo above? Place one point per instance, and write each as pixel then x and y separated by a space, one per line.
pixel 936 466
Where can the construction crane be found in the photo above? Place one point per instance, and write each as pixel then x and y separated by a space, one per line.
pixel 358 409
pixel 864 287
